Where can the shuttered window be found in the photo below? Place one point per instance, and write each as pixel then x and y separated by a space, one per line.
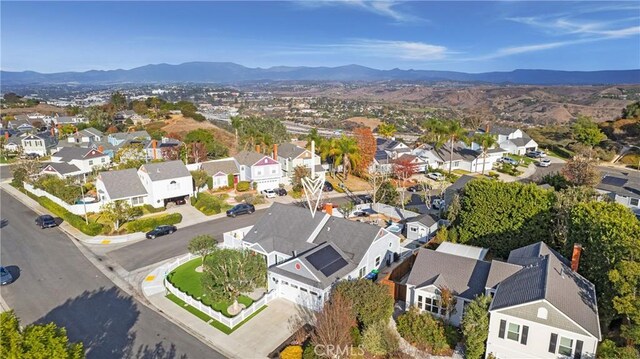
pixel 503 326
pixel 552 343
pixel 525 333
pixel 578 353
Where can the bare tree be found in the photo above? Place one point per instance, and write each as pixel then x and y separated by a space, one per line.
pixel 376 180
pixel 333 324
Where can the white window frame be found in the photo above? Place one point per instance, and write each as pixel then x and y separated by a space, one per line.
pixel 362 272
pixel 570 347
pixel 517 332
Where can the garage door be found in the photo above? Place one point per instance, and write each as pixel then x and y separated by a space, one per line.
pixel 267 184
pixel 298 295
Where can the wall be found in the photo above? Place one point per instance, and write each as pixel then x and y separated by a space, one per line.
pixel 78 209
pixel 160 190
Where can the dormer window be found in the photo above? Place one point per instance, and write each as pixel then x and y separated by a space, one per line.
pixel 542 313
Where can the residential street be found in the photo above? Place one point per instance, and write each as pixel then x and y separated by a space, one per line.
pixel 55 282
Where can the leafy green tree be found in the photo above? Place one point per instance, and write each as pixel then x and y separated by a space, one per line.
pixel 372 302
pixel 625 280
pixel 556 180
pixel 119 101
pixel 346 208
pixel 299 172
pixel 131 155
pixel 200 178
pixel 587 132
pixel 387 194
pixel 119 212
pixel 378 339
pixel 212 146
pixel 35 340
pixel 202 245
pixel 486 142
pixel 254 131
pixel 230 272
pixel 347 154
pixel 564 202
pixel 314 136
pixel 448 130
pixel 503 216
pixel 387 130
pixel 632 110
pixel 609 350
pixel 475 327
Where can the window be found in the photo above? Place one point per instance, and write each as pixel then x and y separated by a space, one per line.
pixel 294 286
pixel 377 261
pixel 456 163
pixel 414 229
pixel 433 305
pixel 566 346
pixel 542 313
pixel 273 170
pixel 259 172
pixel 634 201
pixel 420 303
pixel 303 289
pixel 362 271
pixel 90 162
pixel 285 282
pixel 137 200
pixel 513 332
pixel 102 160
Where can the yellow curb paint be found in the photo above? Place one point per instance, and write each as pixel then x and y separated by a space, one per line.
pixel 105 241
pixel 150 278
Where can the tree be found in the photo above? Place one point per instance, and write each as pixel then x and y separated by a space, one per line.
pixel 387 130
pixel 581 171
pixel 202 245
pixel 214 149
pixel 587 132
pixel 346 208
pixel 200 178
pixel 230 272
pixel 475 327
pixel 119 101
pixel 333 324
pixel 376 180
pixel 366 147
pixel 23 170
pixel 403 169
pixel 632 110
pixel 347 155
pixel 378 339
pixel 625 280
pixel 387 194
pixel 131 155
pixel 371 302
pixel 314 136
pixel 564 202
pixel 448 301
pixel 449 130
pixel 35 340
pixel 119 212
pixel 254 131
pixel 486 141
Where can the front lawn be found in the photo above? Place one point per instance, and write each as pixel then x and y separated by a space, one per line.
pixel 187 280
pixel 210 204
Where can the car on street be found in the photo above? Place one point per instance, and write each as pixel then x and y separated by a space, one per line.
pixel 360 214
pixel 536 154
pixel 242 208
pixel 545 162
pixel 5 276
pixel 436 176
pixel 269 193
pixel 46 221
pixel 280 191
pixel 161 231
pixel 416 188
pixel 328 187
pixel 509 160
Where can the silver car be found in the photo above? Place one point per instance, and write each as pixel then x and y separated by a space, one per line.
pixel 5 276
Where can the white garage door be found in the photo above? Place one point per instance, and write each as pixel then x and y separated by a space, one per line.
pixel 267 184
pixel 302 296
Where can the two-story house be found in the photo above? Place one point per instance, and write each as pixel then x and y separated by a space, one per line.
pixel 387 150
pixel 120 138
pixel 307 255
pixel 291 156
pixel 86 136
pixel 166 182
pixel 41 144
pixel 261 170
pixel 623 189
pixel 513 140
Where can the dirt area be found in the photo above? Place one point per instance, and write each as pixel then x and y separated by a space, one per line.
pixel 182 125
pixel 372 123
pixel 353 183
pixel 42 108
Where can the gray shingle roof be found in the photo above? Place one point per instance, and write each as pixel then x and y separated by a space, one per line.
pixel 62 167
pixel 427 219
pixel 91 132
pixel 521 141
pixel 165 170
pixel 464 276
pixel 248 158
pixel 528 254
pixel 224 166
pixel 130 135
pixel 77 153
pixel 122 184
pixel 460 183
pixel 621 185
pixel 501 130
pixel 500 271
pixel 289 150
pixel 459 153
pixel 353 238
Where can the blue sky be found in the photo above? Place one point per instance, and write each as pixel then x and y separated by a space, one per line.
pixel 457 36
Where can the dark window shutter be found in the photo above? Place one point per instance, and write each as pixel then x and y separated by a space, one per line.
pixel 525 332
pixel 552 343
pixel 503 326
pixel 578 354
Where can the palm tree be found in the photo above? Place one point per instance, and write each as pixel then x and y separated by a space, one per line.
pixel 387 130
pixel 486 141
pixel 328 149
pixel 346 153
pixel 454 132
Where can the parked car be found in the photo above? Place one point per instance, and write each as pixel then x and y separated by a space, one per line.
pixel 280 191
pixel 545 162
pixel 269 193
pixel 242 208
pixel 509 160
pixel 161 231
pixel 46 221
pixel 416 188
pixel 328 187
pixel 536 154
pixel 436 176
pixel 437 203
pixel 178 201
pixel 360 214
pixel 5 276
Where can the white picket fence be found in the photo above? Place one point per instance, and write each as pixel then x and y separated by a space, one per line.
pixel 229 322
pixel 78 209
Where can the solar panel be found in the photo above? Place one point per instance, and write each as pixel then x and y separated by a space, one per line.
pixel 614 181
pixel 327 260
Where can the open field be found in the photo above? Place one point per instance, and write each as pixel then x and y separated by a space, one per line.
pixel 42 108
pixel 181 125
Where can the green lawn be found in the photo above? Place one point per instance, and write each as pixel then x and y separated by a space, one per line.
pixel 526 160
pixel 187 280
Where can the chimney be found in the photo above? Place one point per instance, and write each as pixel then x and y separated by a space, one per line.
pixel 275 151
pixel 575 257
pixel 6 135
pixel 258 148
pixel 154 143
pixel 101 149
pixel 328 209
pixel 52 133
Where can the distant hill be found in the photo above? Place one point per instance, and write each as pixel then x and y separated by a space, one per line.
pixel 227 72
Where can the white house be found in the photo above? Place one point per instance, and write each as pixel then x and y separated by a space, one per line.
pixel 87 135
pixel 86 159
pixel 387 150
pixel 261 170
pixel 120 138
pixel 166 182
pixel 221 171
pixel 123 185
pixel 623 189
pixel 40 144
pixel 61 170
pixel 307 255
pixel 291 156
pixel 422 228
pixel 541 307
pixel 513 140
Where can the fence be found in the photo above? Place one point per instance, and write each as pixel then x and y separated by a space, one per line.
pixel 78 209
pixel 229 322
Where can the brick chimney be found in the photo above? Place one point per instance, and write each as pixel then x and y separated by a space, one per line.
pixel 154 144
pixel 258 148
pixel 275 151
pixel 6 135
pixel 575 257
pixel 328 209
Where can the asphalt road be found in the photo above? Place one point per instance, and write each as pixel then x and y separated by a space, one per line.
pixel 6 172
pixel 54 282
pixel 147 252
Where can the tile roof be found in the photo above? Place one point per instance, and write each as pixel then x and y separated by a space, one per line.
pixel 165 170
pixel 225 166
pixel 122 184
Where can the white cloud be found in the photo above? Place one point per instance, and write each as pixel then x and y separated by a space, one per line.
pixel 383 8
pixel 406 50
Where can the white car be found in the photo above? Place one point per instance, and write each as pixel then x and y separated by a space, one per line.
pixel 436 176
pixel 269 193
pixel 544 162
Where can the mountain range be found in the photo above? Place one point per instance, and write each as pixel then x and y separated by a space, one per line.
pixel 227 72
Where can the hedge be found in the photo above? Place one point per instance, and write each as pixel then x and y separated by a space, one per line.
pixel 91 229
pixel 151 209
pixel 243 186
pixel 149 223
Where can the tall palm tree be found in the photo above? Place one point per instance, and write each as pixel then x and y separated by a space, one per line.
pixel 486 141
pixel 443 131
pixel 327 149
pixel 347 153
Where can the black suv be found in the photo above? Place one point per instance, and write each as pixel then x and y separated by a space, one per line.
pixel 161 231
pixel 280 191
pixel 242 208
pixel 46 221
pixel 328 187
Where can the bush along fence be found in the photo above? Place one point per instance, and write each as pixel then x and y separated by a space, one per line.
pixel 77 209
pixel 228 322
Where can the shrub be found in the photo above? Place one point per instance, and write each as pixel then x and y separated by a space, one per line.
pixel 291 352
pixel 210 204
pixel 425 332
pixel 250 199
pixel 210 182
pixel 372 302
pixel 493 175
pixel 91 229
pixel 151 209
pixel 243 186
pixel 296 194
pixel 149 223
pixel 379 339
pixel 308 352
